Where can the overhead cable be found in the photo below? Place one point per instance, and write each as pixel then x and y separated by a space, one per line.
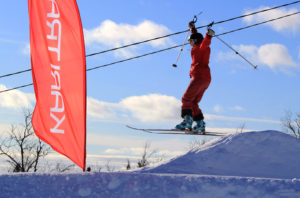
pixel 168 35
pixel 219 22
pixel 155 52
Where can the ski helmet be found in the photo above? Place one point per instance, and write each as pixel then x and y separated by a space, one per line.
pixel 196 38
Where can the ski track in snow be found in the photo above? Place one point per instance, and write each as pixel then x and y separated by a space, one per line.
pixel 249 165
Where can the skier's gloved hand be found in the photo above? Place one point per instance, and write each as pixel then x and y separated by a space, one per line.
pixel 192 27
pixel 210 32
pixel 191 24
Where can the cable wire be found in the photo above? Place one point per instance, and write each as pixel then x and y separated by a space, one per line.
pixel 256 24
pixel 168 35
pixel 19 87
pixel 155 52
pixel 235 30
pixel 151 53
pixel 219 22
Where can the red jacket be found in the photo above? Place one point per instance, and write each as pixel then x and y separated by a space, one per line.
pixel 200 57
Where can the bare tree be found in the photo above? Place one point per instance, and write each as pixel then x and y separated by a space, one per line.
pixel 108 167
pixel 291 124
pixel 241 128
pixel 128 167
pixel 56 166
pixel 22 149
pixel 61 167
pixel 94 168
pixel 146 155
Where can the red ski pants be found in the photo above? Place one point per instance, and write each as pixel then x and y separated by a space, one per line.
pixel 193 96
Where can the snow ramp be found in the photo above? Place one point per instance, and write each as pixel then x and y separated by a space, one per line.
pixel 247 165
pixel 265 154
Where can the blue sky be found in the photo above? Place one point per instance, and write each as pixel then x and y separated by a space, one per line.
pixel 146 92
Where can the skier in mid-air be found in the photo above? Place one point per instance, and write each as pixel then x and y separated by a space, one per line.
pixel 200 74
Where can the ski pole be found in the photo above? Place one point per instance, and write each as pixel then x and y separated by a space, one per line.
pixel 236 52
pixel 181 49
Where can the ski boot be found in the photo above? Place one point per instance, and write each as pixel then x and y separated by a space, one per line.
pixel 199 127
pixel 186 124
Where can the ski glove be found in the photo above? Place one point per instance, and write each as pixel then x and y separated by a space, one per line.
pixel 210 32
pixel 191 24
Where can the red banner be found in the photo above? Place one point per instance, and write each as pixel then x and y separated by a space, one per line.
pixel 59 76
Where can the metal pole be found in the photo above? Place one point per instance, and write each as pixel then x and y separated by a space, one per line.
pixel 236 52
pixel 181 49
pixel 187 35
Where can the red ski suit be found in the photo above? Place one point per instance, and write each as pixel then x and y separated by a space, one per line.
pixel 200 74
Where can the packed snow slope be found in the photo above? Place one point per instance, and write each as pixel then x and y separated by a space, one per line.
pixel 269 154
pixel 137 185
pixel 249 165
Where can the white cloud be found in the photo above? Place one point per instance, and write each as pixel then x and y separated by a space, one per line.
pixel 291 23
pixel 146 108
pixel 237 108
pixel 250 51
pixel 273 55
pixel 153 107
pixel 111 34
pixel 134 145
pixel 101 110
pixel 26 49
pixel 125 150
pixel 218 108
pixel 16 99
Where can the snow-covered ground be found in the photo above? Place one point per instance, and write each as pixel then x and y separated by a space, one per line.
pixel 252 164
pixel 253 154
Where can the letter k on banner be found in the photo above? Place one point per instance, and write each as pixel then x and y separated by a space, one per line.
pixel 59 76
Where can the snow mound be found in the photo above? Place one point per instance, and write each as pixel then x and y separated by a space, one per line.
pixel 268 154
pixel 235 165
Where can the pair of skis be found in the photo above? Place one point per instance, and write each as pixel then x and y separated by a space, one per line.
pixel 174 131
